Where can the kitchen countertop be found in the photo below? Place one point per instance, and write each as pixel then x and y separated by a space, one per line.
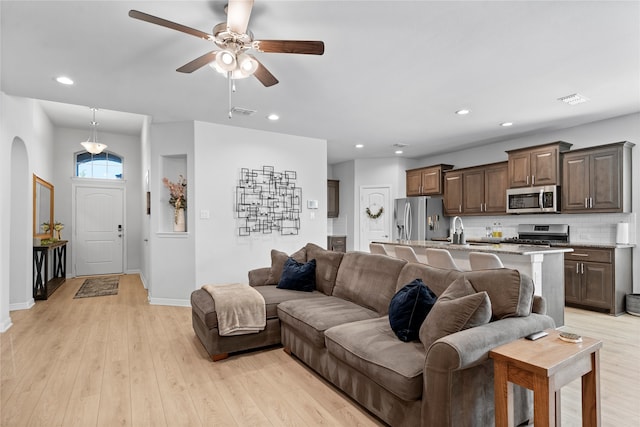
pixel 572 244
pixel 595 245
pixel 472 246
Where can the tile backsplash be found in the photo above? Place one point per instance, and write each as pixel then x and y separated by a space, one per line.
pixel 583 228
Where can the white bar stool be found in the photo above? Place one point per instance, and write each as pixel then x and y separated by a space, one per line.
pixel 484 261
pixel 407 253
pixel 441 258
pixel 377 248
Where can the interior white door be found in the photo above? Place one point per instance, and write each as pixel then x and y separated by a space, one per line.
pixel 99 230
pixel 374 229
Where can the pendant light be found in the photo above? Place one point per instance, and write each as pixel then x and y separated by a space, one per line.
pixel 92 145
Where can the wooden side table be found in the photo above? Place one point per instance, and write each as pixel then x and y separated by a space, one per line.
pixel 545 366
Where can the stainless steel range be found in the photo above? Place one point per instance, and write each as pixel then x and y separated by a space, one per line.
pixel 541 234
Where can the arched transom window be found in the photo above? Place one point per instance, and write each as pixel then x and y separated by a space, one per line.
pixel 105 165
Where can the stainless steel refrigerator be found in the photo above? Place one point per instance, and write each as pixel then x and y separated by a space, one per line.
pixel 419 218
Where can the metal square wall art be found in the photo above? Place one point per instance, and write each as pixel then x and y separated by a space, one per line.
pixel 268 202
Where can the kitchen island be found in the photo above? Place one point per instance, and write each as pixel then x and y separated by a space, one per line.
pixel 545 265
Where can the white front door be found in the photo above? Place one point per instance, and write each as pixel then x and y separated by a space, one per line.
pixel 99 230
pixel 375 225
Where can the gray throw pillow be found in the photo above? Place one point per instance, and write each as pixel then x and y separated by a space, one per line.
pixel 459 307
pixel 278 259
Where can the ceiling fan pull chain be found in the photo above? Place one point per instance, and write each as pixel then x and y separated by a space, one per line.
pixel 230 84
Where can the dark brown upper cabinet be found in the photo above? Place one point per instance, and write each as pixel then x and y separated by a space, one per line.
pixel 539 165
pixel 597 179
pixel 333 198
pixel 426 181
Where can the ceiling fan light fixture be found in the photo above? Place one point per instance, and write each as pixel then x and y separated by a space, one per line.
pixel 226 60
pixel 247 63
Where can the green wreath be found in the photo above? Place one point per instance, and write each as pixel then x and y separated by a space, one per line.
pixel 375 215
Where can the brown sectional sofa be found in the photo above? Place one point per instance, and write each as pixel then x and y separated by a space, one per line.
pixel 342 332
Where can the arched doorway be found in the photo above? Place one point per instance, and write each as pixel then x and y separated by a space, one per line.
pixel 21 235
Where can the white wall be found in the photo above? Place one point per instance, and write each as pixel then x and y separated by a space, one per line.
pixel 67 144
pixel 221 151
pixel 24 119
pixel 145 171
pixel 172 268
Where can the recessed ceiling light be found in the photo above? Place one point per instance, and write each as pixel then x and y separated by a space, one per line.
pixel 273 117
pixel 573 99
pixel 463 112
pixel 506 124
pixel 64 80
pixel 359 145
pixel 398 151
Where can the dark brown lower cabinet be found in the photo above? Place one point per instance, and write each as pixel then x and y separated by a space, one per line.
pixel 598 278
pixel 337 243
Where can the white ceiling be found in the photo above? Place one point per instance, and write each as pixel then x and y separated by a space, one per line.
pixel 392 72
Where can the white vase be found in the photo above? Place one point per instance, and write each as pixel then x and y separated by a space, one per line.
pixel 178 220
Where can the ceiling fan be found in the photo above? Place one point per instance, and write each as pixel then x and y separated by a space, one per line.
pixel 234 40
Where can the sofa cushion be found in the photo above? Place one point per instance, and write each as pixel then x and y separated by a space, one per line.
pixel 298 276
pixel 371 347
pixel 408 309
pixel 203 306
pixel 368 280
pixel 459 307
pixel 312 316
pixel 327 264
pixel 437 279
pixel 510 292
pixel 278 259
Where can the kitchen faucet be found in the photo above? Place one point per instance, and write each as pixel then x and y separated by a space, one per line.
pixel 457 238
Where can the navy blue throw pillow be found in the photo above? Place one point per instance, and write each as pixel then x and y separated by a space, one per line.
pixel 408 309
pixel 298 276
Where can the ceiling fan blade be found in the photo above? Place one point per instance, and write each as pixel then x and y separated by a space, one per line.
pixel 169 24
pixel 308 47
pixel 238 13
pixel 198 63
pixel 265 76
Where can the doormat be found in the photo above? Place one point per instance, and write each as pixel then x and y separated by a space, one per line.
pixel 98 286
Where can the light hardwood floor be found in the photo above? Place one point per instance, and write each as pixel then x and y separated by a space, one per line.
pixel 116 360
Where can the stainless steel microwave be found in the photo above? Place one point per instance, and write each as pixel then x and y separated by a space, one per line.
pixel 540 199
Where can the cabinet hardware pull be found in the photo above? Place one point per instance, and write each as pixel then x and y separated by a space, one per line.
pixel 459 208
pixel 533 180
pixel 591 202
pixel 586 202
pixel 575 254
pixel 527 179
pixel 577 267
pixel 582 267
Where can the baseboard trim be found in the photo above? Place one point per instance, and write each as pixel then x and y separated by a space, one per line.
pixel 170 302
pixel 6 324
pixel 22 305
pixel 143 280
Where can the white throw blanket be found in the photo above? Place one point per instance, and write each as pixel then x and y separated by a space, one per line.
pixel 240 309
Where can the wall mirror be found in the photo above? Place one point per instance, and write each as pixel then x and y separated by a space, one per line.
pixel 42 208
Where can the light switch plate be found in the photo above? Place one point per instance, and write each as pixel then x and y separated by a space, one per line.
pixel 312 204
pixel 204 214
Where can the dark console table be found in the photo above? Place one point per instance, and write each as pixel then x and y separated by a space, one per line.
pixel 56 254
